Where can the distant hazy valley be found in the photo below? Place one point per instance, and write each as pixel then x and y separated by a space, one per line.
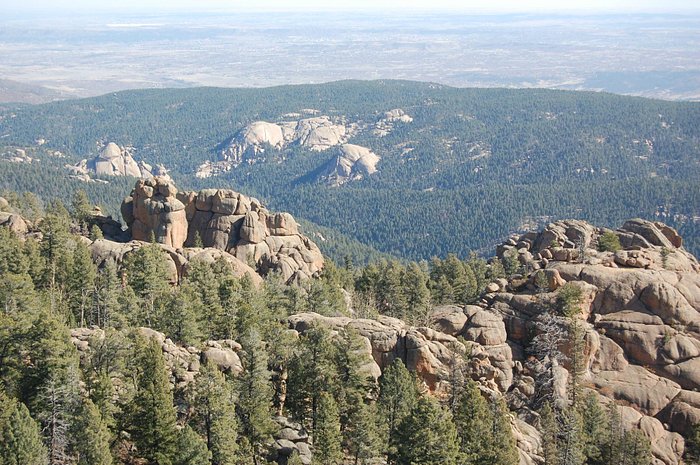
pixel 58 58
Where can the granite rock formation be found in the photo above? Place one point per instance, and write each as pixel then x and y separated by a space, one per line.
pixel 115 160
pixel 222 219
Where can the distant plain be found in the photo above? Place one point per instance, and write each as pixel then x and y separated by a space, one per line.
pixel 57 58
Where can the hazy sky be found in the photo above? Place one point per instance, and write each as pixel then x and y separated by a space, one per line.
pixel 476 6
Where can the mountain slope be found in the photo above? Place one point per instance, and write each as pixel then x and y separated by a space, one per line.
pixel 448 158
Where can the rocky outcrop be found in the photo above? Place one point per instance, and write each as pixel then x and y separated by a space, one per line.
pixel 152 211
pixel 640 311
pixel 13 222
pixel 177 260
pixel 183 362
pixel 290 438
pixel 114 160
pixel 388 121
pixel 222 219
pixel 319 133
pixel 250 143
pixel 351 163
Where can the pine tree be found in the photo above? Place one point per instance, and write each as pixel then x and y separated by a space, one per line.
pixel 91 437
pixel 56 404
pixel 153 417
pixel 353 384
pixel 415 284
pixel 398 392
pixel 472 420
pixel 613 449
pixel 179 319
pixel 484 429
pixel 147 274
pixel 362 436
pixel 502 444
pixel 20 436
pixel 107 292
pixel 571 446
pixel 550 434
pixel 311 372
pixel 81 285
pixel 201 278
pixel 427 436
pixel 96 233
pixel 327 437
pixel 215 414
pixel 636 449
pixel 80 206
pixel 594 429
pixel 190 449
pixel 255 395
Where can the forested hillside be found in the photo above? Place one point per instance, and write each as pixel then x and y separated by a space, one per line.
pixel 456 158
pixel 575 345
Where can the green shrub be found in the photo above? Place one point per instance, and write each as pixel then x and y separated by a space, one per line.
pixel 609 242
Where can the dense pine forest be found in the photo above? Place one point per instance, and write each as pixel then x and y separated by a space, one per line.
pixel 531 155
pixel 89 363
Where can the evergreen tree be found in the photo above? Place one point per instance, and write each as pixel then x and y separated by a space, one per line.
pixel 91 437
pixel 56 407
pixel 107 292
pixel 96 233
pixel 81 285
pixel 20 436
pixel 415 285
pixel 179 319
pixel 427 436
pixel 190 449
pixel 398 392
pixel 255 395
pixel 327 437
pixel 550 434
pixel 311 372
pixel 353 384
pixel 147 275
pixel 81 207
pixel 484 430
pixel 636 449
pixel 594 429
pixel 502 444
pixel 362 436
pixel 215 414
pixel 613 449
pixel 571 447
pixel 152 420
pixel 472 419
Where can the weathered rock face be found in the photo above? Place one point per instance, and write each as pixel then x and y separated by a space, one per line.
pixel 641 312
pixel 291 437
pixel 352 162
pixel 114 160
pixel 248 145
pixel 349 162
pixel 153 210
pixel 14 223
pixel 225 220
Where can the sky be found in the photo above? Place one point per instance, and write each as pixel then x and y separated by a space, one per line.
pixel 469 6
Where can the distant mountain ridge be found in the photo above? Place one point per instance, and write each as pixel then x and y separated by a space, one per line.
pixel 470 167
